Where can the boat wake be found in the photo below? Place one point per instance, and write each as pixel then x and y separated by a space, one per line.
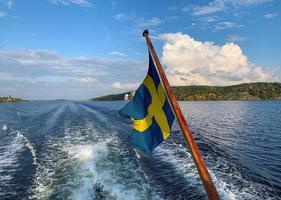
pixel 14 146
pixel 83 150
pixel 29 145
pixel 86 164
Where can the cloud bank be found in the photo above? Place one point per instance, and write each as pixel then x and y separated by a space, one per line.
pixel 43 74
pixel 191 62
pixel 271 15
pixel 222 5
pixel 85 3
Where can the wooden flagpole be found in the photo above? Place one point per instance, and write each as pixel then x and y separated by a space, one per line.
pixel 196 155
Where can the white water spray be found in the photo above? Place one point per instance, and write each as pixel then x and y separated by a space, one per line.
pixel 29 145
pixel 5 127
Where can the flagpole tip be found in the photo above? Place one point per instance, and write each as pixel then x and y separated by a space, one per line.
pixel 145 32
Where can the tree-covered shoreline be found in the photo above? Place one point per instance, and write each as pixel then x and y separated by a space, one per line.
pixel 10 99
pixel 245 91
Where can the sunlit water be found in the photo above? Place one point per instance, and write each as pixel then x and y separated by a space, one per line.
pixel 82 150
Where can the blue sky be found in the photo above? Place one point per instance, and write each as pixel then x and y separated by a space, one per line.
pixel 78 49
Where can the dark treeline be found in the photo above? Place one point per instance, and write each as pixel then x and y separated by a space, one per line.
pixel 111 97
pixel 246 91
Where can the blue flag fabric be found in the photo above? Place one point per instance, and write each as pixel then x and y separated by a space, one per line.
pixel 150 112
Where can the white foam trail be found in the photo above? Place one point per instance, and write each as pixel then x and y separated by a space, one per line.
pixel 5 127
pixel 9 157
pixel 101 117
pixel 185 165
pixel 138 160
pixel 228 190
pixel 182 163
pixel 83 165
pixel 90 156
pixel 54 117
pixel 29 145
pixel 224 189
pixel 137 154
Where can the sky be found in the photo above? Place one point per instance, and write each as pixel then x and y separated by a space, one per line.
pixel 79 49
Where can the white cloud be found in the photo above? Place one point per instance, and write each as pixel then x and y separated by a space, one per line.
pixel 249 2
pixel 225 25
pixel 117 53
pixel 87 80
pixel 138 24
pixel 85 3
pixel 48 72
pixel 215 6
pixel 191 62
pixel 122 17
pixel 271 15
pixel 221 5
pixel 4 76
pixel 209 19
pixel 8 3
pixel 125 86
pixel 2 14
pixel 213 23
pixel 235 38
pixel 144 23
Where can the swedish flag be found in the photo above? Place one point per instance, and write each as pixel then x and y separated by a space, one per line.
pixel 150 112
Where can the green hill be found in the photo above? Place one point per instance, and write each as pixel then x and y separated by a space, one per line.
pixel 246 91
pixel 111 97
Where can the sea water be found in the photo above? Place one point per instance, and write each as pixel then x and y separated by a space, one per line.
pixel 83 150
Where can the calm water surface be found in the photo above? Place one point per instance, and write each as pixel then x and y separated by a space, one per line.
pixel 82 150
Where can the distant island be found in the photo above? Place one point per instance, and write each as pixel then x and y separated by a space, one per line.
pixel 10 99
pixel 245 91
